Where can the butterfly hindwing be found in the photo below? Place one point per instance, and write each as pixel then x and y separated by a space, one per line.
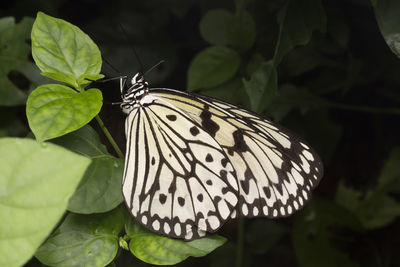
pixel 275 170
pixel 178 180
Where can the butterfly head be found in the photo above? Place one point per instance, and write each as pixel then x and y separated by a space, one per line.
pixel 131 96
pixel 137 79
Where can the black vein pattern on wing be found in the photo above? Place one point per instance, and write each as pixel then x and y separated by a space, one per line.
pixel 289 155
pixel 139 126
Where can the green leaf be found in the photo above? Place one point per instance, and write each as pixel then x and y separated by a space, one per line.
pixel 242 30
pixel 60 47
pixel 84 141
pixel 387 13
pixel 291 97
pixel 155 249
pixel 212 67
pixel 83 241
pixel 214 26
pixel 312 238
pixel 298 20
pixel 262 86
pixel 221 27
pixel 59 76
pixel 374 3
pixel 14 56
pixel 100 187
pixel 377 208
pixel 36 181
pixel 54 110
pixel 87 78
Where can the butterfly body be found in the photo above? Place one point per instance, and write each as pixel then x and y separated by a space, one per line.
pixel 194 162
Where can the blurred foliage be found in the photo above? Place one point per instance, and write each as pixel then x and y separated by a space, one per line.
pixel 326 69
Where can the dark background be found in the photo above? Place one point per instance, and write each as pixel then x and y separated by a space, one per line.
pixel 340 92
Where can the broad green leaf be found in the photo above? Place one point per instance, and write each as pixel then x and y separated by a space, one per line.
pixel 100 187
pixel 63 77
pixel 212 67
pixel 84 141
pixel 36 181
pixel 54 110
pixel 312 237
pixel 221 27
pixel 87 78
pixel 60 47
pixel 254 63
pixel 301 60
pixel 214 26
pixel 262 86
pixel 387 13
pixel 155 249
pixel 242 30
pixel 298 20
pixel 14 56
pixel 291 97
pixel 377 208
pixel 83 241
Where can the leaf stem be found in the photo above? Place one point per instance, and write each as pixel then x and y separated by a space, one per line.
pixel 240 243
pixel 109 137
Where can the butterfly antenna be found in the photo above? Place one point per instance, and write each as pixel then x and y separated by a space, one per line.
pixel 133 49
pixel 155 66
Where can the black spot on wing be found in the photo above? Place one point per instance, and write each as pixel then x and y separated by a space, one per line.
pixel 245 186
pixel 181 201
pixel 224 162
pixel 279 189
pixel 267 191
pixel 225 190
pixel 194 131
pixel 209 158
pixel 208 124
pixel 171 117
pixel 163 198
pixel 200 197
pixel 240 145
pixel 248 175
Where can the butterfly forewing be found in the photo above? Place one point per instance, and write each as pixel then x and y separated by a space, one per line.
pixel 275 170
pixel 178 181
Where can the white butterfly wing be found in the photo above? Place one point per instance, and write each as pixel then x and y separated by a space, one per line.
pixel 275 169
pixel 177 180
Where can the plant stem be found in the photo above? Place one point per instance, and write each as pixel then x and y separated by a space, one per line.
pixel 240 242
pixel 109 137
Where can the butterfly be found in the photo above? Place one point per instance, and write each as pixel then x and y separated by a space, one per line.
pixel 194 162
